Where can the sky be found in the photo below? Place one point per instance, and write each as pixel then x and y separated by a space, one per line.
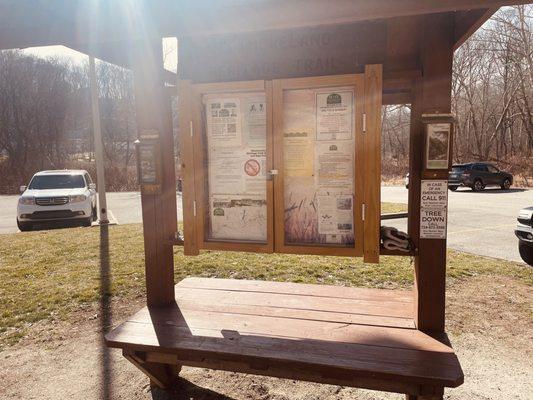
pixel 170 49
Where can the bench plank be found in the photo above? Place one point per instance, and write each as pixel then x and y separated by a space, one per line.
pixel 313 332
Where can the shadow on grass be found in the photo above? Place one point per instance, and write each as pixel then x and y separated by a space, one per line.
pixel 105 313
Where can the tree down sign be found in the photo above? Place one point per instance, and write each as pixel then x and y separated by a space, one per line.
pixel 433 209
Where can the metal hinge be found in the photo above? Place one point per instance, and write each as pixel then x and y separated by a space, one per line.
pixel 194 207
pixel 363 209
pixel 191 128
pixel 364 122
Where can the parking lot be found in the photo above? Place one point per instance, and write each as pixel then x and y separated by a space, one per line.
pixel 479 223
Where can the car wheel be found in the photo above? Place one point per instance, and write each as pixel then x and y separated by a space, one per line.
pixel 526 252
pixel 453 188
pixel 478 185
pixel 506 184
pixel 87 221
pixel 94 214
pixel 24 226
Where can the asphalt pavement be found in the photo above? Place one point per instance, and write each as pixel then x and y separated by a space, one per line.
pixel 478 222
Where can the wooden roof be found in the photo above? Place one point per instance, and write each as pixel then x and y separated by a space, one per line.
pixel 77 23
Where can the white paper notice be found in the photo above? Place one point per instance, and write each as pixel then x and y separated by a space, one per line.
pixel 225 171
pixel 335 214
pixel 224 122
pixel 433 209
pixel 255 121
pixel 334 115
pixel 234 218
pixel 334 166
pixel 434 194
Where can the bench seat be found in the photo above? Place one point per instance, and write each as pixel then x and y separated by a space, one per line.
pixel 347 336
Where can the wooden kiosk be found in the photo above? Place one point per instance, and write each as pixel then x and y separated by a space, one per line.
pixel 279 126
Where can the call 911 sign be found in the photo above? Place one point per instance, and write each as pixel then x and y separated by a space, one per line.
pixel 433 209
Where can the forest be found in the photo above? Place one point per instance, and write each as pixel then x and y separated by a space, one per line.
pixel 45 111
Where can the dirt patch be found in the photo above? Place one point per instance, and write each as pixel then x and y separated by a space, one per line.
pixel 489 320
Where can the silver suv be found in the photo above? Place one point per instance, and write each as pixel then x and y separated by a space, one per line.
pixel 57 195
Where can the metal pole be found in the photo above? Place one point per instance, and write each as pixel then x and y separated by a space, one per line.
pixel 98 145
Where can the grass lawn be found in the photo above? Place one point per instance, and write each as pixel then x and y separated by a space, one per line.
pixel 48 275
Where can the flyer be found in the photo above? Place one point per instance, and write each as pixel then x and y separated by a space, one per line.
pixel 225 171
pixel 298 154
pixel 433 223
pixel 335 214
pixel 334 166
pixel 433 209
pixel 334 115
pixel 254 122
pixel 223 122
pixel 238 218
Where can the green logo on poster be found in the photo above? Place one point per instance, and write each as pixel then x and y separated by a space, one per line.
pixel 218 212
pixel 334 99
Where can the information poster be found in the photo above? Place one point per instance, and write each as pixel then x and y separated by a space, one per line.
pixel 334 115
pixel 224 122
pixel 334 165
pixel 335 214
pixel 319 153
pixel 433 209
pixel 236 148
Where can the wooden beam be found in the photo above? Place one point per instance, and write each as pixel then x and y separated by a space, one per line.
pixel 468 22
pixel 432 93
pixel 187 167
pixel 372 162
pixel 154 116
pixel 23 23
pixel 163 376
pixel 196 18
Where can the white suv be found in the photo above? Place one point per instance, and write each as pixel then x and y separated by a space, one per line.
pixel 57 196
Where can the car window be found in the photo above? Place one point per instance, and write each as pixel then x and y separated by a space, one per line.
pixel 480 168
pixel 493 169
pixel 57 182
pixel 88 179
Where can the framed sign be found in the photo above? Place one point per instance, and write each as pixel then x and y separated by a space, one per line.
pixel 149 166
pixel 437 141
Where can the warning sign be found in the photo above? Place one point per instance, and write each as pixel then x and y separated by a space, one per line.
pixel 433 209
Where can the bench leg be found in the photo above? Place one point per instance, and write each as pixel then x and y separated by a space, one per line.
pixel 163 376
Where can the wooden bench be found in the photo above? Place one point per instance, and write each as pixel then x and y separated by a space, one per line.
pixel 346 336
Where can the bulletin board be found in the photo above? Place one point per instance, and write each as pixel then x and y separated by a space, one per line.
pixel 278 165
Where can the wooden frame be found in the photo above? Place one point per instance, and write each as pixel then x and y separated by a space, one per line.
pixel 367 99
pixel 356 81
pixel 200 162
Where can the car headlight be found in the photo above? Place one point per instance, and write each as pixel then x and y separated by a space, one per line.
pixel 26 200
pixel 78 198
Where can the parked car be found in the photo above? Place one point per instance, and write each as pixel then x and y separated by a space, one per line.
pixel 59 195
pixel 524 232
pixel 477 176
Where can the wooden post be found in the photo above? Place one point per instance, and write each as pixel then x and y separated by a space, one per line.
pixel 158 209
pixel 432 93
pixel 372 195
